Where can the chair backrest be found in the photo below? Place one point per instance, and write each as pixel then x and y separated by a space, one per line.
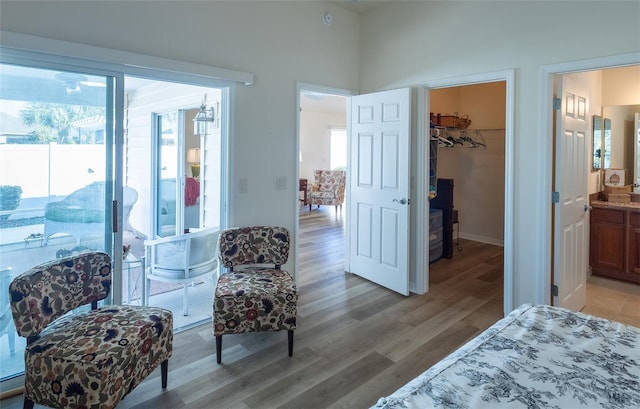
pixel 129 198
pixel 253 245
pixel 183 256
pixel 50 290
pixel 330 181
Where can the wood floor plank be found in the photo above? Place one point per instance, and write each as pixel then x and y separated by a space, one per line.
pixel 340 384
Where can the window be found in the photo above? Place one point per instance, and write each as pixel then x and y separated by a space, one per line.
pixel 338 149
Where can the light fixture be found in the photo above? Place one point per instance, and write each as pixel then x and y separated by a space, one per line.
pixel 193 156
pixel 203 119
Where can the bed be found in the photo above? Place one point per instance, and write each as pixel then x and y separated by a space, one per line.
pixel 538 356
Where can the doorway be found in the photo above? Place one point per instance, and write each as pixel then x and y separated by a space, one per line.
pixel 322 145
pixel 611 96
pixel 468 126
pixel 499 131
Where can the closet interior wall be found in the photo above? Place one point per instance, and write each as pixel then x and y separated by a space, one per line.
pixel 478 172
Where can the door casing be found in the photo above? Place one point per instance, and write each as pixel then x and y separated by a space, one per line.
pixel 542 283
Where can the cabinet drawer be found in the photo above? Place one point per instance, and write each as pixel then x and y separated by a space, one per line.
pixel 607 215
pixel 634 218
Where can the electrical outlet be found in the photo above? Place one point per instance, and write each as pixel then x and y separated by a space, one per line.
pixel 243 185
pixel 281 183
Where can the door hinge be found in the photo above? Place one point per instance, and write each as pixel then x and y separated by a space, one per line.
pixel 554 290
pixel 557 103
pixel 555 197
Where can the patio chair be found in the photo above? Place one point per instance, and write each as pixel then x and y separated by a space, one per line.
pixel 181 259
pixel 82 213
pixel 256 295
pixel 89 359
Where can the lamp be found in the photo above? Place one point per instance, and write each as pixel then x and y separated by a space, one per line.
pixel 193 156
pixel 203 119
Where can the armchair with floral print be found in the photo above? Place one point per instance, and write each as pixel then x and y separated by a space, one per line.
pixel 256 295
pixel 89 359
pixel 328 188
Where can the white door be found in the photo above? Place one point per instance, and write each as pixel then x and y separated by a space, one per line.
pixel 379 188
pixel 571 215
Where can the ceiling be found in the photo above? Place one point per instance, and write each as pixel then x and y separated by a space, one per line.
pixel 314 101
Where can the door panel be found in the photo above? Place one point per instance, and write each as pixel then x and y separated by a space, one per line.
pixel 379 188
pixel 571 229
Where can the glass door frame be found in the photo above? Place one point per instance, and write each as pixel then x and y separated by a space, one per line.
pixel 118 71
pixel 113 151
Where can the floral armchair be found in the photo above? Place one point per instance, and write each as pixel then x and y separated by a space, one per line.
pixel 328 188
pixel 256 294
pixel 84 359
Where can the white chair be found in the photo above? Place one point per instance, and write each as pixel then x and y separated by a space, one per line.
pixel 181 259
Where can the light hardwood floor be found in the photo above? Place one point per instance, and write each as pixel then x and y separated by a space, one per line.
pixel 355 341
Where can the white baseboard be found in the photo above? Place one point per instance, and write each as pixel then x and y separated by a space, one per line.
pixel 481 239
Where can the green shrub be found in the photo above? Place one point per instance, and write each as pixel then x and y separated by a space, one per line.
pixel 9 198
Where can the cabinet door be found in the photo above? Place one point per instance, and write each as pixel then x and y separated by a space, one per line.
pixel 607 240
pixel 633 267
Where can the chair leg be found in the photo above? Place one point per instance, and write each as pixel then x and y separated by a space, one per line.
pixel 290 336
pixel 147 289
pixel 12 341
pixel 309 206
pixel 164 372
pixel 28 403
pixel 185 300
pixel 219 348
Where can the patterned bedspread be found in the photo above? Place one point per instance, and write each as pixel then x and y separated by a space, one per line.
pixel 536 357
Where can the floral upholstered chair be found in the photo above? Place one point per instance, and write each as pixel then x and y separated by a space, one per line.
pixel 256 294
pixel 89 359
pixel 328 188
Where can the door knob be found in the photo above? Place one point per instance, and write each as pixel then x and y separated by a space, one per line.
pixel 587 208
pixel 401 201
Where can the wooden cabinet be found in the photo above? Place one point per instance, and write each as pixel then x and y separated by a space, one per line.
pixel 607 240
pixel 615 243
pixel 633 267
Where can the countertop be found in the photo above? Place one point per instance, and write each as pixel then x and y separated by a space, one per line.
pixel 634 206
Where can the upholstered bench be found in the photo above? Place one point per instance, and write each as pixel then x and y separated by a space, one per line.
pixel 89 358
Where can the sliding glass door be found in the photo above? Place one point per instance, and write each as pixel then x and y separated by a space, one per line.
pixel 56 175
pixel 76 140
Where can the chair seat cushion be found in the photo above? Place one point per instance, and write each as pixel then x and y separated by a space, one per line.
pixel 322 195
pixel 255 300
pixel 99 357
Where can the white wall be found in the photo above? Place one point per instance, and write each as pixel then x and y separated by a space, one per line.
pixel 315 140
pixel 416 42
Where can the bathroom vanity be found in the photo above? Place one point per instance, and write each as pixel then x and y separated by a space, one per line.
pixel 615 240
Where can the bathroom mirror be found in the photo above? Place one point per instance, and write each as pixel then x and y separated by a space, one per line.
pixel 596 162
pixel 618 130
